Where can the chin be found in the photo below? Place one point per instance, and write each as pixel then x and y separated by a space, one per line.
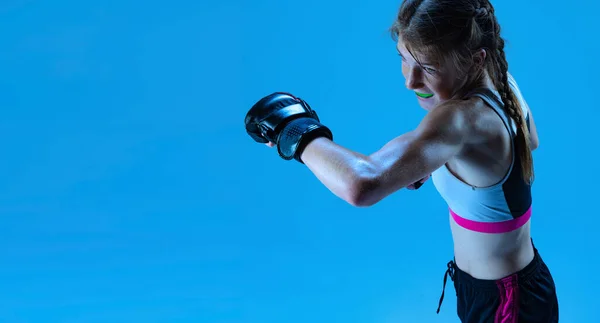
pixel 427 104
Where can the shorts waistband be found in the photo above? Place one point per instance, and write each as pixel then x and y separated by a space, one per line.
pixel 461 277
pixel 523 275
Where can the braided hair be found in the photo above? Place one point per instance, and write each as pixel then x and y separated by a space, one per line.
pixel 452 30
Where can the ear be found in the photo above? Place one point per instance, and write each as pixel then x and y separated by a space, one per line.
pixel 479 57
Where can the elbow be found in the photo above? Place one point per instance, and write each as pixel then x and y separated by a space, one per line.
pixel 363 192
pixel 534 144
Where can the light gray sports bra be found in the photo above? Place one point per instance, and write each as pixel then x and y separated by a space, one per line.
pixel 499 208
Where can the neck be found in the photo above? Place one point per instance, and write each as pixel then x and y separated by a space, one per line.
pixel 487 81
pixel 483 81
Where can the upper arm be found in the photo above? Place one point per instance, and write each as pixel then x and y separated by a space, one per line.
pixel 533 135
pixel 412 156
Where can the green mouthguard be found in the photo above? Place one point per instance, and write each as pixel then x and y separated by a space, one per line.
pixel 423 95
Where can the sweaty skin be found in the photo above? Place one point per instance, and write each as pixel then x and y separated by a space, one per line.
pixel 465 135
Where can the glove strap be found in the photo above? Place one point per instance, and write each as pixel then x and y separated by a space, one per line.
pixel 297 135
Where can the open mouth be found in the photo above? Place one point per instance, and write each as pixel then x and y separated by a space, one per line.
pixel 424 95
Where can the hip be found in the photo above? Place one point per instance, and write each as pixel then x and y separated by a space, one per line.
pixel 528 295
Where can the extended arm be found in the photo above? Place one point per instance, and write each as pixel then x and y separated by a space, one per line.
pixel 363 180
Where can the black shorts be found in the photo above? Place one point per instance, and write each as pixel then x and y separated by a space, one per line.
pixel 528 296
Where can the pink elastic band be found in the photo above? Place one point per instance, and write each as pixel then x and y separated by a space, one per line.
pixel 492 227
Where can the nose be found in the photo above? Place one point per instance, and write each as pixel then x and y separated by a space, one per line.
pixel 414 78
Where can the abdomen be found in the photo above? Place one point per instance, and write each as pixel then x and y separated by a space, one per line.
pixel 491 255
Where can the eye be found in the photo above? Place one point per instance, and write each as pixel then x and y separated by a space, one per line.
pixel 429 70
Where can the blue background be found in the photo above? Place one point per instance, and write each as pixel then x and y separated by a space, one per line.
pixel 129 191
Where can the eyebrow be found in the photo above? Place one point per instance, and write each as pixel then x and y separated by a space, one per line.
pixel 420 63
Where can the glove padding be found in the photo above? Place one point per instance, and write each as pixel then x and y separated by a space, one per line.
pixel 286 121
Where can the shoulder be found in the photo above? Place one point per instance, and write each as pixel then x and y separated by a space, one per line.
pixel 454 118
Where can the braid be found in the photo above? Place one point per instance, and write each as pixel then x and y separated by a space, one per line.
pixel 483 9
pixel 454 31
pixel 512 107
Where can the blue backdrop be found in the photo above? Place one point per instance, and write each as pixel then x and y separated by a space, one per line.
pixel 130 192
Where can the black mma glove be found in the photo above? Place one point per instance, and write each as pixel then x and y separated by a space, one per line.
pixel 286 121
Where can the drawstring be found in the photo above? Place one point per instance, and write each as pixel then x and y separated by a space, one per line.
pixel 449 271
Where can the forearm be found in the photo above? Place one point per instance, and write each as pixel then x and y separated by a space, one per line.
pixel 364 180
pixel 356 178
pixel 345 173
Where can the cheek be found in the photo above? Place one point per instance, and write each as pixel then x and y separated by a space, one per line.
pixel 442 87
pixel 404 70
